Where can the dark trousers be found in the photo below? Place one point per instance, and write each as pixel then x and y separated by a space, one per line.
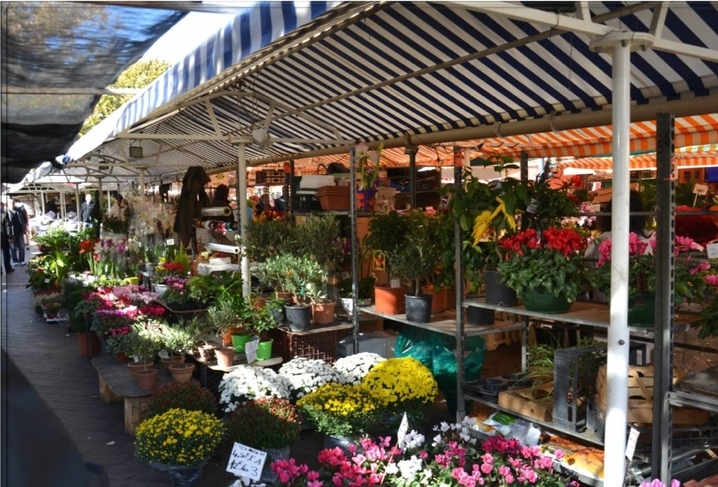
pixel 18 248
pixel 6 254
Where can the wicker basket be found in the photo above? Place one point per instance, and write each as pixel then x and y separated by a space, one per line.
pixel 315 345
pixel 334 198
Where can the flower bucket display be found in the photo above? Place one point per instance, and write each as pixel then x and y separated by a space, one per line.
pixel 541 301
pixel 418 308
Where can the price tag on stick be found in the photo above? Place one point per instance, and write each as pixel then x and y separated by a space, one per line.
pixel 403 430
pixel 246 462
pixel 250 349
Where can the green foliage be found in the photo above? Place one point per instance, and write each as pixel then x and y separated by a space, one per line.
pixel 177 339
pixel 262 319
pixel 182 395
pixel 387 232
pixel 319 238
pixel 139 75
pixel 205 289
pixel 366 288
pixel 115 224
pixel 230 310
pixel 289 273
pixel 415 260
pixel 265 423
pixel 547 206
pixel 269 238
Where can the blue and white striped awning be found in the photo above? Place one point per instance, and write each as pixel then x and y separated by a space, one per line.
pixel 388 71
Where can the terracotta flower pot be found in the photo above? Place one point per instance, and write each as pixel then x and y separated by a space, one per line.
pixel 147 379
pixel 225 357
pixel 389 300
pixel 166 363
pixel 438 304
pixel 182 372
pixel 90 344
pixel 323 313
pixel 135 367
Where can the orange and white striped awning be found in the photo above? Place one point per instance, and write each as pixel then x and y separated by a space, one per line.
pixel 645 161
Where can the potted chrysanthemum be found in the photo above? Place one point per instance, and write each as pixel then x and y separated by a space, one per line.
pixel 179 442
pixel 307 375
pixel 402 385
pixel 353 368
pixel 246 383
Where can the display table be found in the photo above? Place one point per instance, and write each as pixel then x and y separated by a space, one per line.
pixel 318 342
pixel 183 314
pixel 117 384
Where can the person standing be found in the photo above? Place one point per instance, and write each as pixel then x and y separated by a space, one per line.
pixel 18 219
pixel 86 210
pixel 7 232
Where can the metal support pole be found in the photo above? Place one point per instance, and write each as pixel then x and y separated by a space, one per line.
pixel 109 202
pixel 355 248
pixel 242 199
pixel 99 192
pixel 459 285
pixel 290 191
pixel 412 174
pixel 618 334
pixel 665 261
pixel 62 206
pixel 77 208
pixel 141 170
pixel 42 202
pixel 524 173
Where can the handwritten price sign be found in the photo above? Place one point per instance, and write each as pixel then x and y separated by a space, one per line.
pixel 246 462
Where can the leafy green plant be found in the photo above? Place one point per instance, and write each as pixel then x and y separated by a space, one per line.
pixel 416 259
pixel 260 320
pixel 319 238
pixel 230 310
pixel 183 395
pixel 265 423
pixel 177 339
pixel 366 288
pixel 267 239
pixel 387 232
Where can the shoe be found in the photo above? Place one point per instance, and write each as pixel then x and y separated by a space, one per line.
pixel 11 270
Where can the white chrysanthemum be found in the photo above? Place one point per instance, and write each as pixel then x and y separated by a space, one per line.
pixel 354 368
pixel 306 375
pixel 413 439
pixel 245 383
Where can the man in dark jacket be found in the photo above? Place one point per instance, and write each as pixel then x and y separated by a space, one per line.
pixel 18 218
pixel 7 233
pixel 87 210
pixel 191 201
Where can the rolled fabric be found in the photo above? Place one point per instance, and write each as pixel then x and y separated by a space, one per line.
pixel 217 211
pixel 197 223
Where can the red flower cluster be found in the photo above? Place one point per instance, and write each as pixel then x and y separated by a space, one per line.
pixel 173 268
pixel 87 246
pixel 563 240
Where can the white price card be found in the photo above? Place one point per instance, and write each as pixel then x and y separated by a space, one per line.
pixel 250 349
pixel 631 445
pixel 403 430
pixel 246 462
pixel 533 207
pixel 170 241
pixel 700 189
pixel 712 250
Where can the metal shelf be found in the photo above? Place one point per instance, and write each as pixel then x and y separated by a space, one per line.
pixel 445 323
pixel 581 313
pixel 693 399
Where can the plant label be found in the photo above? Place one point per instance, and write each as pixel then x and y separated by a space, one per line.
pixel 403 429
pixel 246 462
pixel 712 251
pixel 700 189
pixel 163 354
pixel 170 241
pixel 250 349
pixel 631 445
pixel 533 207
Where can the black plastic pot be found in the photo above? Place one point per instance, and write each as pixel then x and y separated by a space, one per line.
pixel 479 316
pixel 299 317
pixel 496 291
pixel 418 308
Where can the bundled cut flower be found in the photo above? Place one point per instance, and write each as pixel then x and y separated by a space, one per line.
pixel 307 375
pixel 178 437
pixel 552 261
pixel 246 383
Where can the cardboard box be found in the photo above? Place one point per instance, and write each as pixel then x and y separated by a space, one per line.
pixel 531 402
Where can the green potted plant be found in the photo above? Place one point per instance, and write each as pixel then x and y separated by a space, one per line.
pixel 416 260
pixel 268 238
pixel 259 322
pixel 548 269
pixel 143 343
pixel 273 273
pixel 270 424
pixel 319 238
pixel 183 395
pixel 178 340
pixel 387 232
pixel 227 319
pixel 303 275
pixel 366 288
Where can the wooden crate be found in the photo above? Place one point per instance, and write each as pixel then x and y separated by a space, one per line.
pixel 640 398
